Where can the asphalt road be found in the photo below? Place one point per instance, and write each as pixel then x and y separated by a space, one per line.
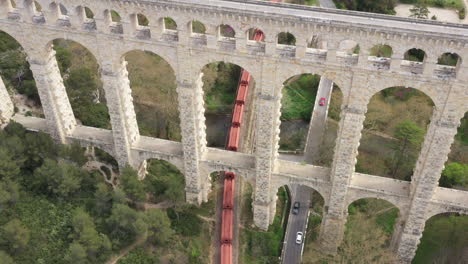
pixel 318 121
pixel 292 252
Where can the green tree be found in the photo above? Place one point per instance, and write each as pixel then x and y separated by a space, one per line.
pixel 410 137
pixel 454 174
pixel 103 199
pixel 132 186
pixel 76 254
pixel 420 10
pixel 8 166
pixel 125 224
pixel 9 193
pixel 159 226
pixel 15 235
pixel 58 178
pixel 5 258
pixel 74 152
pixel 85 233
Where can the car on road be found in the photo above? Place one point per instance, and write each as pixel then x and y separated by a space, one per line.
pixel 299 237
pixel 295 209
pixel 322 101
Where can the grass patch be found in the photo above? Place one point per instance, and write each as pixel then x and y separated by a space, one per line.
pixel 299 97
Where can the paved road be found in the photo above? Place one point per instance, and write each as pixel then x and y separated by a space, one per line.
pixel 318 121
pixel 327 3
pixel 292 252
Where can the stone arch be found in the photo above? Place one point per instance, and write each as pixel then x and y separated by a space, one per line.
pixel 382 51
pixel 112 16
pixel 226 31
pixel 197 27
pixel 393 134
pixel 308 101
pixel 348 47
pixel 443 240
pixel 250 33
pixel 154 94
pixel 18 79
pixel 169 23
pixel 142 20
pixel 219 85
pixel 316 42
pixel 286 38
pixel 415 54
pixel 449 59
pixel 80 71
pixel 247 65
pixel 356 195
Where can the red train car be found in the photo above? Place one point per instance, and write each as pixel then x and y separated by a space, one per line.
pixel 242 94
pixel 237 115
pixel 226 254
pixel 226 226
pixel 234 134
pixel 228 195
pixel 229 175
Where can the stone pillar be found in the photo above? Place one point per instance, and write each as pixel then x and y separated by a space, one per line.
pixel 318 122
pixel 397 58
pixel 437 143
pixel 56 106
pixel 212 37
pixel 7 109
pixel 266 144
pixel 192 124
pixel 346 151
pixel 364 53
pixel 429 65
pixel 122 113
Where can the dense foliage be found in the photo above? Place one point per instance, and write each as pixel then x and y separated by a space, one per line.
pixel 381 6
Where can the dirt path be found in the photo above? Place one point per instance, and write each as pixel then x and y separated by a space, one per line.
pixel 442 14
pixel 126 250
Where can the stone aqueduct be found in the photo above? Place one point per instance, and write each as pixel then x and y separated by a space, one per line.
pixel 358 76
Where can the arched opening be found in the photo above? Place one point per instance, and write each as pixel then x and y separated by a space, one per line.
pixel 449 59
pixel 447 65
pixel 88 13
pixel 82 80
pixel 417 55
pixel 153 85
pixel 142 20
pixel 164 182
pixel 455 173
pixel 169 24
pixel 394 130
pixel 37 6
pixel 444 240
pixel 220 85
pixel 18 78
pixel 198 27
pixel 63 10
pixel 310 110
pixel 115 16
pixel 380 56
pixel 226 31
pixel 251 33
pixel 286 38
pixel 381 51
pixel 348 47
pixel 369 229
pixel 12 3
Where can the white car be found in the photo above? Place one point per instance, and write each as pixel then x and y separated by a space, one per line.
pixel 299 237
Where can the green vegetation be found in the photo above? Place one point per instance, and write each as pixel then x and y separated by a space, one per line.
pixel 286 38
pixel 154 95
pixel 454 174
pixel 444 240
pixel 419 10
pixel 368 232
pixel 169 23
pixel 220 82
pixel 15 71
pixel 198 27
pixel 299 95
pixel 450 59
pixel 304 2
pixel 381 51
pixel 257 247
pixel 381 6
pixel 164 182
pixel 55 212
pixel 80 72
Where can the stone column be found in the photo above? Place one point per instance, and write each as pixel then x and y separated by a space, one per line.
pixel 346 151
pixel 192 123
pixel 7 109
pixel 437 143
pixel 266 144
pixel 56 106
pixel 429 65
pixel 122 113
pixel 318 122
pixel 397 58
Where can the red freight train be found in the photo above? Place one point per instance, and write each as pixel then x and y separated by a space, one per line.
pixel 233 145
